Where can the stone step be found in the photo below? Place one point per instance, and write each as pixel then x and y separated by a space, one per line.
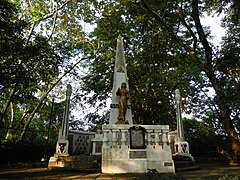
pixel 92 163
pixel 81 162
pixel 82 158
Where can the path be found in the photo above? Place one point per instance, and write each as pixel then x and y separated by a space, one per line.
pixel 207 171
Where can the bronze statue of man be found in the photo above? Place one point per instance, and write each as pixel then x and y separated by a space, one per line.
pixel 122 105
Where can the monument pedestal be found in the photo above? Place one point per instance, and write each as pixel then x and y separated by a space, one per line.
pixel 119 156
pixel 80 162
pixel 62 148
pixel 58 160
pixel 182 149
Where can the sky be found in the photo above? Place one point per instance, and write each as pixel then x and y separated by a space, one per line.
pixel 215 25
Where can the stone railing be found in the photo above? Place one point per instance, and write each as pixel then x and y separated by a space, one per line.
pixel 118 136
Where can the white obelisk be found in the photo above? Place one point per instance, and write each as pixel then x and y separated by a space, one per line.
pixel 62 143
pixel 120 76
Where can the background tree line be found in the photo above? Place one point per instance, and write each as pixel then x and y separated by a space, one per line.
pixel 166 47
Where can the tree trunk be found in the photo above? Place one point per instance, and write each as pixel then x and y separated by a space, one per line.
pixel 225 113
pixel 10 131
pixel 225 117
pixel 4 109
pixel 31 115
pixel 206 66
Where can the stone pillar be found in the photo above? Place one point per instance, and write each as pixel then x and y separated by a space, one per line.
pixel 123 138
pixel 114 138
pixel 105 138
pixel 180 131
pixel 65 123
pixel 164 138
pixel 149 139
pixel 181 146
pixel 157 139
pixel 62 143
pixel 97 143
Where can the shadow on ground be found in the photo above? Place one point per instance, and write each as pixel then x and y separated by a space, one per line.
pixel 207 171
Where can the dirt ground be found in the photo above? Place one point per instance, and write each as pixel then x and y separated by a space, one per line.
pixel 207 171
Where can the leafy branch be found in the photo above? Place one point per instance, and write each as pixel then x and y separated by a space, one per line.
pixel 44 96
pixel 47 16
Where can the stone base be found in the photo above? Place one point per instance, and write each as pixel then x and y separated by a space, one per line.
pixel 117 161
pixel 82 162
pixel 184 162
pixel 62 147
pixel 182 156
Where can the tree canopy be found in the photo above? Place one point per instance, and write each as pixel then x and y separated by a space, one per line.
pixel 35 57
pixel 166 47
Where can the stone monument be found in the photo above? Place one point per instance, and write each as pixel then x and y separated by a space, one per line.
pixel 181 146
pixel 180 132
pixel 63 143
pixel 120 112
pixel 128 147
pixel 73 148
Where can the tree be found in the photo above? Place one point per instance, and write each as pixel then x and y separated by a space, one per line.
pixel 166 48
pixel 25 69
pixel 203 139
pixel 32 53
pixel 201 52
pixel 144 45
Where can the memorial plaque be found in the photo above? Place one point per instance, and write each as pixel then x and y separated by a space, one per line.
pixel 137 137
pixel 168 164
pixel 137 154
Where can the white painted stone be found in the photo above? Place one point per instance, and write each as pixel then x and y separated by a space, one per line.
pixel 180 131
pixel 62 148
pixel 120 75
pixel 97 139
pixel 62 143
pixel 116 159
pixel 181 147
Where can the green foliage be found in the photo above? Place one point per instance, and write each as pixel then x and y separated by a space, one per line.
pixel 39 40
pixel 204 139
pixel 234 176
pixel 227 62
pixel 28 64
pixel 48 120
pixel 151 62
pixel 26 70
pixel 167 47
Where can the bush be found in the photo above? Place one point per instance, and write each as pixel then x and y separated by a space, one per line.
pixel 234 176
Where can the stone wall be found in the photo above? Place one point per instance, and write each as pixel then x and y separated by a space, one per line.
pixel 80 142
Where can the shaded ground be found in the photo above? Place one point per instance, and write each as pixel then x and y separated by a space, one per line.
pixel 208 171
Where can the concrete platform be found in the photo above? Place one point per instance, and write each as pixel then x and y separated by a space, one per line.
pixel 81 162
